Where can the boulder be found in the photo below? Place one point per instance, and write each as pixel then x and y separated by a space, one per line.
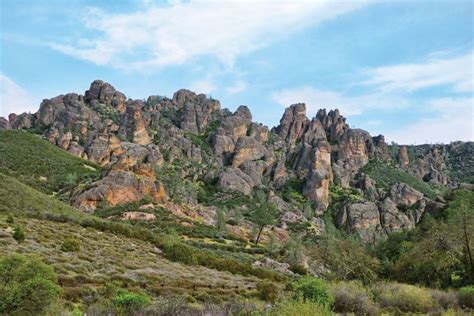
pixel 137 216
pixel 234 179
pixel 118 187
pixel 246 149
pixel 361 219
pixel 403 194
pixel 4 124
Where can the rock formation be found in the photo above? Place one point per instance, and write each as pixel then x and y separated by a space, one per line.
pixel 134 141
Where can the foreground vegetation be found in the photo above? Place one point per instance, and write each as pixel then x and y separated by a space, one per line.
pixel 55 259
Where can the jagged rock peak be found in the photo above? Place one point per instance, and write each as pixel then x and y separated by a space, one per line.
pixel 105 93
pixel 244 112
pixel 293 123
pixel 333 123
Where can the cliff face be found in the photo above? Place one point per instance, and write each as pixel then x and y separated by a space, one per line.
pixel 134 140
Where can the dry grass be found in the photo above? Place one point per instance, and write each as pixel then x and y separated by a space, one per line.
pixel 106 257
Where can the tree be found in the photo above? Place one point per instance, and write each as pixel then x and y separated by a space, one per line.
pixel 220 221
pixel 461 220
pixel 264 214
pixel 295 250
pixel 19 234
pixel 27 285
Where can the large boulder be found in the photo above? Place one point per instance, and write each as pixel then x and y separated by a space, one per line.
pixel 119 187
pixel 4 124
pixel 361 219
pixel 247 149
pixel 234 179
pixel 403 194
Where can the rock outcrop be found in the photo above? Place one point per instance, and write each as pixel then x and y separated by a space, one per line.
pixel 139 143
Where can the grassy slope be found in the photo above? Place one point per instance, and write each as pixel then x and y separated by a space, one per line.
pixel 387 175
pixel 27 157
pixel 102 256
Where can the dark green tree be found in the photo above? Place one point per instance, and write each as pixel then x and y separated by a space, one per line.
pixel 264 214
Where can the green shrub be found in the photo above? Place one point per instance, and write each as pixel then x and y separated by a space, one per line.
pixel 352 297
pixel 19 234
pixel 403 298
pixel 299 269
pixel 28 285
pixel 386 175
pixel 315 290
pixel 10 219
pixel 301 307
pixel 130 302
pixel 466 296
pixel 178 251
pixel 268 291
pixel 347 259
pixel 71 245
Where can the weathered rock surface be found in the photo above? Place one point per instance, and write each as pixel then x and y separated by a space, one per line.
pixel 137 141
pixel 362 219
pixel 138 216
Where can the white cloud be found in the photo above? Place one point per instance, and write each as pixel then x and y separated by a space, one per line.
pixel 445 119
pixel 205 86
pixel 348 105
pixel 237 87
pixel 453 120
pixel 172 34
pixel 374 123
pixel 13 98
pixel 455 72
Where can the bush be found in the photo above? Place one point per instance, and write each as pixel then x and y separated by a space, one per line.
pixel 348 259
pixel 19 235
pixel 128 301
pixel 268 291
pixel 28 285
pixel 404 298
pixel 466 296
pixel 301 307
pixel 352 297
pixel 71 245
pixel 299 269
pixel 10 219
pixel 177 251
pixel 315 290
pixel 445 299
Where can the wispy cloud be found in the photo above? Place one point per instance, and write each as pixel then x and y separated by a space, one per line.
pixel 173 34
pixel 349 105
pixel 451 119
pixel 237 87
pixel 455 72
pixel 445 118
pixel 13 98
pixel 205 86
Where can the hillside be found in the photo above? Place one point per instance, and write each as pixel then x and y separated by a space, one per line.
pixel 182 200
pixel 41 165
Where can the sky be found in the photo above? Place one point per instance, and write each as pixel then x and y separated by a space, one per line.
pixel 403 68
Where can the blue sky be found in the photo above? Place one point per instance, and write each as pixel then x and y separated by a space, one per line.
pixel 400 68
